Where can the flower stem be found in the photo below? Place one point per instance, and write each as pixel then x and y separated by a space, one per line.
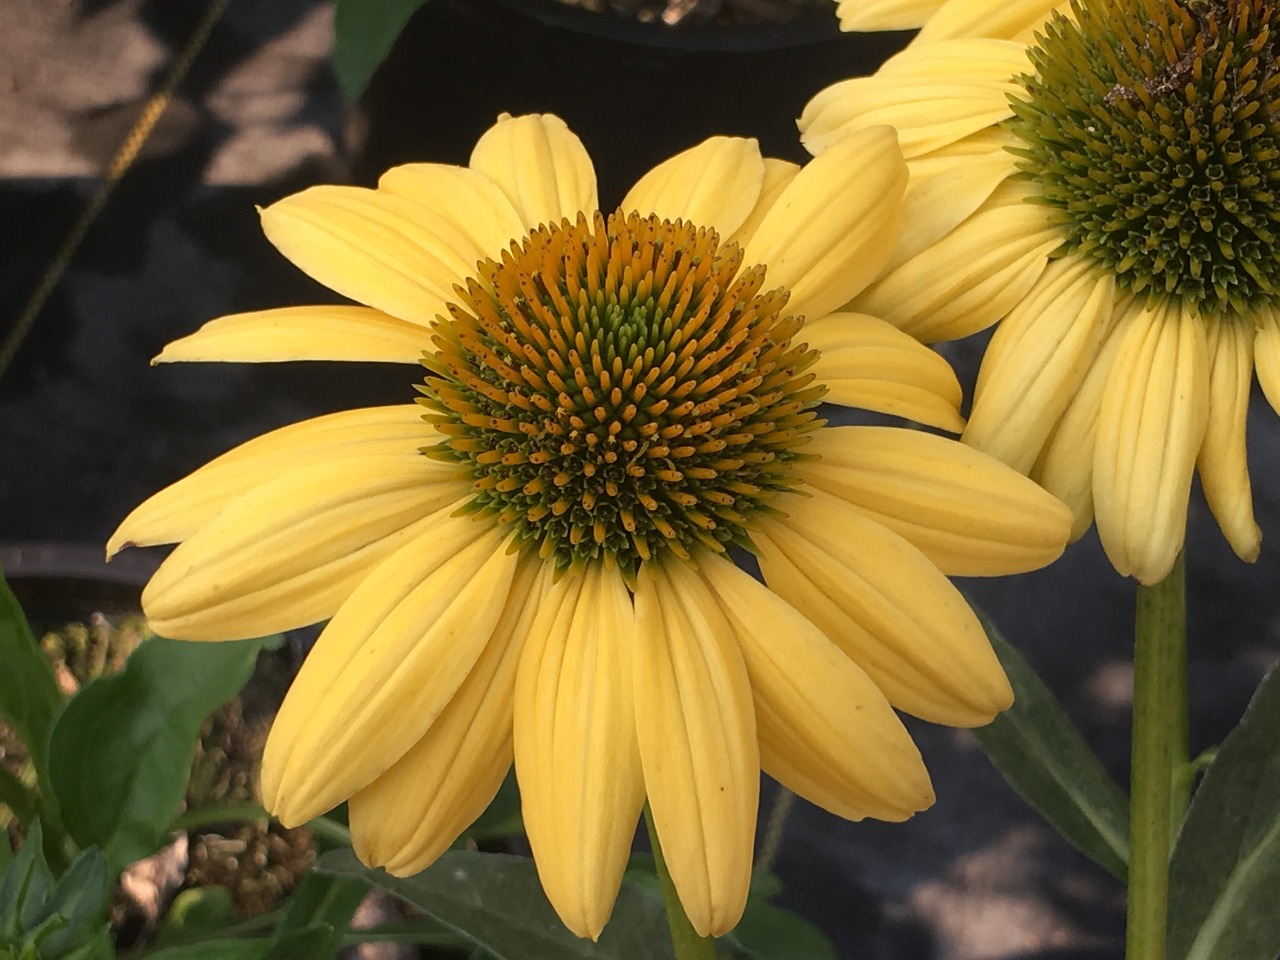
pixel 1158 790
pixel 689 945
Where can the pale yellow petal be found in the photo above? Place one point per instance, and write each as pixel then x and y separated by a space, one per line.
pixel 386 666
pixel 715 184
pixel 541 166
pixel 412 813
pixel 577 758
pixel 1037 359
pixel 1150 426
pixel 474 203
pixel 933 97
pixel 971 515
pixel 870 364
pixel 698 742
pixel 1002 19
pixel 1222 462
pixel 869 15
pixel 834 225
pixel 973 276
pixel 778 175
pixel 826 731
pixel 180 509
pixel 1266 353
pixel 287 552
pixel 887 606
pixel 380 250
pixel 303 333
pixel 1065 466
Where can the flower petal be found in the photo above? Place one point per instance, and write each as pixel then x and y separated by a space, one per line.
pixel 698 742
pixel 377 249
pixel 289 551
pixel 870 15
pixel 386 666
pixel 303 333
pixel 887 606
pixel 1266 353
pixel 715 184
pixel 867 363
pixel 973 276
pixel 778 175
pixel 1037 359
pixel 1002 19
pixel 968 513
pixel 577 759
pixel 411 814
pixel 180 509
pixel 932 97
pixel 1222 462
pixel 834 225
pixel 470 200
pixel 826 731
pixel 1151 424
pixel 541 166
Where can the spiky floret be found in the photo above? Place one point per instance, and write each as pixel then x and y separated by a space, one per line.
pixel 621 386
pixel 1152 128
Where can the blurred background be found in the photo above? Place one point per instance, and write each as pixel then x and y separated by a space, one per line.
pixel 88 429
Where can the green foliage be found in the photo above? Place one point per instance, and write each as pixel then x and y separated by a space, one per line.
pixel 1041 754
pixel 495 903
pixel 364 32
pixel 120 752
pixel 1225 873
pixel 309 942
pixel 194 913
pixel 322 901
pixel 48 918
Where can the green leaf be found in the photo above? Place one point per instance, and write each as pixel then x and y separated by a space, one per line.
pixel 328 901
pixel 17 796
pixel 121 750
pixel 307 943
pixel 194 912
pixel 58 917
pixel 495 902
pixel 1041 754
pixel 1224 878
pixel 29 698
pixel 363 33
pixel 769 932
pixel 80 899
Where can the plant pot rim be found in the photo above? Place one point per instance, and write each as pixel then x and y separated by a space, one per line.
pixel 72 560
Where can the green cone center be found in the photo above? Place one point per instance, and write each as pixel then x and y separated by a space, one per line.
pixel 619 387
pixel 1152 128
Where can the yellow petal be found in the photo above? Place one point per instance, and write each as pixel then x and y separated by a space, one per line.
pixel 1266 353
pixel 377 249
pixel 1150 426
pixel 180 509
pixel 470 200
pixel 857 15
pixel 577 759
pixel 973 276
pixel 971 515
pixel 1223 466
pixel 778 175
pixel 715 184
pixel 887 606
pixel 932 97
pixel 541 166
pixel 826 731
pixel 1002 19
pixel 386 666
pixel 698 742
pixel 1037 359
pixel 412 813
pixel 867 363
pixel 303 333
pixel 1065 466
pixel 834 225
pixel 289 551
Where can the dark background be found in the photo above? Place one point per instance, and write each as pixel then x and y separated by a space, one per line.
pixel 88 429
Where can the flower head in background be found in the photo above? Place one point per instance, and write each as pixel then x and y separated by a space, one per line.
pixel 1110 195
pixel 532 561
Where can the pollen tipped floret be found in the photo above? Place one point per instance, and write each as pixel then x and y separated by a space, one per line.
pixel 621 386
pixel 1153 131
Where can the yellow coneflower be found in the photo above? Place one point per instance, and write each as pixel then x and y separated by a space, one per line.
pixel 1109 195
pixel 532 562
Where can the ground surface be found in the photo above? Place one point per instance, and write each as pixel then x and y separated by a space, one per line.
pixel 87 428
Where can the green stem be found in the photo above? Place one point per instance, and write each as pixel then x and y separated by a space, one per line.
pixel 689 945
pixel 1158 792
pixel 226 813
